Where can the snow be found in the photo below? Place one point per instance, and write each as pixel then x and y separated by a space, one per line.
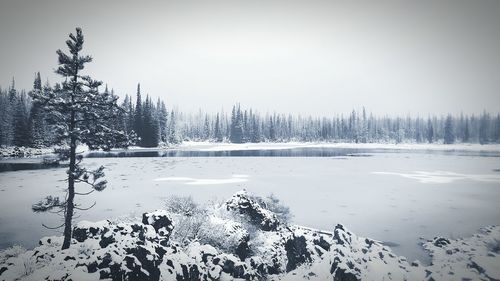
pixel 287 253
pixel 444 176
pixel 29 152
pixel 194 181
pixel 211 146
pixel 13 151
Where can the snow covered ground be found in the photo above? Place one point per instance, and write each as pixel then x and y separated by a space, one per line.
pixel 373 196
pixel 211 146
pixel 242 238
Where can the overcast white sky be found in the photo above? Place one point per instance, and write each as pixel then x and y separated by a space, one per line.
pixel 318 57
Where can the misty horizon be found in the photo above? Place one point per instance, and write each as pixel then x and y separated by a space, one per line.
pixel 319 59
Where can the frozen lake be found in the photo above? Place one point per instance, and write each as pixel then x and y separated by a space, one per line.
pixel 392 196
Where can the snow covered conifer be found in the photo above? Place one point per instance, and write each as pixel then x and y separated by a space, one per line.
pixel 79 112
pixel 217 130
pixel 430 131
pixel 449 136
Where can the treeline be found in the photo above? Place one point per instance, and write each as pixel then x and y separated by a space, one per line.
pixel 27 123
pixel 247 125
pixel 24 123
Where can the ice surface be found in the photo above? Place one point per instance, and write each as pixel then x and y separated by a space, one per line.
pixel 444 176
pixel 194 181
pixel 321 192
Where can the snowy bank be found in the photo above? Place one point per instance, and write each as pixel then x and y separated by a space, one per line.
pixel 242 239
pixel 212 146
pixel 31 152
pixel 16 151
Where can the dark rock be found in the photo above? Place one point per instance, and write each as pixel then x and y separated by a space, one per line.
pixel 2 270
pixel 45 241
pixel 148 261
pixel 194 273
pixel 322 243
pixel 185 274
pixel 477 267
pixel 296 252
pixel 239 271
pixel 92 267
pixel 440 242
pixel 369 242
pixel 228 266
pixel 161 222
pixel 106 261
pixel 341 236
pixel 83 231
pixel 243 250
pixel 205 256
pixel 160 251
pixel 135 273
pixel 80 234
pixel 106 239
pixel 340 274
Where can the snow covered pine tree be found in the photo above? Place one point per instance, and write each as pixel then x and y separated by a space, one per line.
pixel 80 113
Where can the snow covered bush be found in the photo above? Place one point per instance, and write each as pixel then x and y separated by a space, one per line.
pixel 188 216
pixel 183 205
pixel 11 252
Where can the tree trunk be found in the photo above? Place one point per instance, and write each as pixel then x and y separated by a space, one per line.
pixel 68 216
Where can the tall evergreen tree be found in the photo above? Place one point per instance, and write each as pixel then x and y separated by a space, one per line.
pixel 37 118
pixel 497 129
pixel 173 136
pixel 483 128
pixel 21 121
pixel 217 130
pixel 9 104
pixel 138 115
pixel 206 128
pixel 162 116
pixel 430 131
pixel 466 136
pixel 449 136
pixel 80 111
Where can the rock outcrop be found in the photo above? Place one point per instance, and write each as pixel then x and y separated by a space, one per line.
pixel 144 250
pixel 242 203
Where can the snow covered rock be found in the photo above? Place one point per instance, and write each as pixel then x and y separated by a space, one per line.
pixel 473 258
pixel 145 251
pixel 21 151
pixel 257 215
pixel 85 229
pixel 160 220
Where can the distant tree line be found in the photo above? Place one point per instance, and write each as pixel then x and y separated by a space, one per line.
pixel 25 123
pixel 247 125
